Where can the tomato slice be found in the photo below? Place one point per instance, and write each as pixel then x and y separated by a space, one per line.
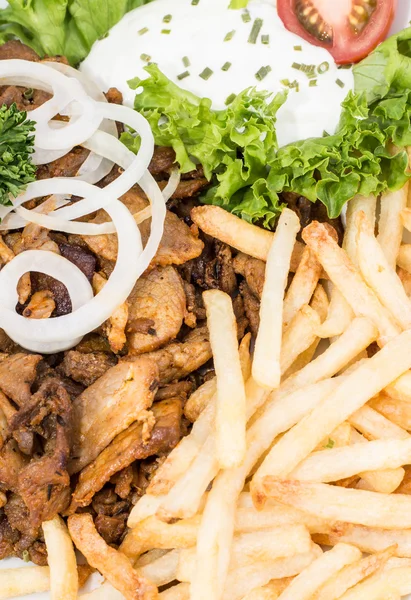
pixel 348 29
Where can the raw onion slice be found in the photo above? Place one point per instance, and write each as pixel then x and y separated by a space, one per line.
pixel 50 222
pixel 77 284
pixel 172 184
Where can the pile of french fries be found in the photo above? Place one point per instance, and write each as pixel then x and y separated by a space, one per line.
pixel 295 479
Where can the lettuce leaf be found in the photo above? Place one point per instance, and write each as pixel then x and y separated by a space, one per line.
pixel 234 145
pixel 68 27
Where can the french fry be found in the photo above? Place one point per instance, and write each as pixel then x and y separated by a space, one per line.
pixel 298 337
pixel 352 574
pixel 230 419
pixel 161 571
pixel 245 357
pixel 104 592
pixel 340 312
pixel 200 399
pixel 266 365
pixel 379 274
pixel 270 591
pixel 62 560
pixel 177 592
pixel 146 507
pixel 242 581
pixel 254 547
pixel 348 280
pixel 113 565
pixel 391 582
pixel 153 533
pixel 375 426
pixel 369 539
pixel 26 580
pixel 342 504
pixel 397 411
pixel 406 218
pixel 390 225
pixel 302 286
pixel 338 463
pixel 341 436
pixel 404 257
pixel 149 557
pixel 352 393
pixel 182 456
pixel 318 572
pixel 319 302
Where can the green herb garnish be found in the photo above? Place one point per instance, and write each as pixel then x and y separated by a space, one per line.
pixel 206 74
pixel 195 2
pixel 298 48
pixel 246 17
pixel 313 83
pixel 330 444
pixel 229 36
pixel 16 148
pixel 265 39
pixel 262 73
pixel 166 31
pixel 255 31
pixel 183 75
pixel 230 99
pixel 143 31
pixel 226 66
pixel 145 57
pixel 340 83
pixel 167 18
pixel 323 67
pixel 186 61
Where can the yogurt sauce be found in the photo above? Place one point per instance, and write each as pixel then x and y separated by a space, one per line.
pixel 198 32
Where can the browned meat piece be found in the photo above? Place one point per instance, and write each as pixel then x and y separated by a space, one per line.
pixel 66 166
pixel 109 406
pixel 15 49
pixel 114 96
pixel 17 374
pixel 93 343
pixel 8 537
pixel 187 188
pixel 213 268
pixel 223 268
pixel 179 243
pixel 11 463
pixel 181 389
pixel 107 503
pixel 44 483
pixel 308 211
pixel 128 447
pixel 123 481
pixel 158 296
pixel 146 470
pixel 86 368
pixel 251 307
pixel 253 270
pixel 179 359
pixel 82 258
pixel 163 160
pixel 111 529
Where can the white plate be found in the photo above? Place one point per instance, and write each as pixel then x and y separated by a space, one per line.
pixel 402 20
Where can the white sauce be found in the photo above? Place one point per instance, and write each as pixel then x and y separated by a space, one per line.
pixel 198 32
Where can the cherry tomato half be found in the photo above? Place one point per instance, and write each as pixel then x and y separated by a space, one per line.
pixel 349 29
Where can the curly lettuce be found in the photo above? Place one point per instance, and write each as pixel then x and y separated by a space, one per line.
pixel 234 145
pixel 66 27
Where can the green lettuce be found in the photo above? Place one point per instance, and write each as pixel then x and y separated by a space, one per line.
pixel 234 145
pixel 365 156
pixel 67 27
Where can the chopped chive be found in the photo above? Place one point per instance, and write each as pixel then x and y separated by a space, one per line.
pixel 330 444
pixel 296 65
pixel 166 31
pixel 186 61
pixel 183 75
pixel 313 83
pixel 255 31
pixel 28 94
pixel 143 31
pixel 285 82
pixel 262 73
pixel 265 39
pixel 195 2
pixel 340 83
pixel 226 66
pixel 206 74
pixel 230 99
pixel 145 57
pixel 229 35
pixel 294 85
pixel 246 17
pixel 298 48
pixel 167 18
pixel 323 67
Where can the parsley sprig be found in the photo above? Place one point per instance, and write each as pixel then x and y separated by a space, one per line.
pixel 16 148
